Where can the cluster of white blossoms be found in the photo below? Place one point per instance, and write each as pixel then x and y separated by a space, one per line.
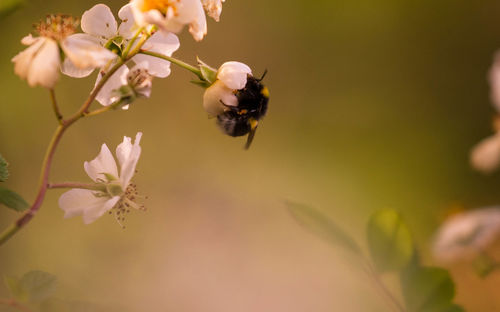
pixel 466 235
pixel 128 53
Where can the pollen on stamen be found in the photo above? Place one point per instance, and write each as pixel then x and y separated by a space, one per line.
pixel 127 202
pixel 57 26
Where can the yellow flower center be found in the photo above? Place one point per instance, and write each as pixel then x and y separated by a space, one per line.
pixel 165 7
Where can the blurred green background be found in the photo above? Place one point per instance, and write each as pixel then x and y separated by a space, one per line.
pixel 374 104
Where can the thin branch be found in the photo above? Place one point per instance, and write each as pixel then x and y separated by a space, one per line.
pixel 55 107
pixel 86 186
pixel 56 138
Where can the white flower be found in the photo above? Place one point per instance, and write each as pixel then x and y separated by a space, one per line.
pixel 485 156
pixel 40 63
pixel 213 8
pixel 465 235
pixel 231 76
pixel 116 193
pixel 159 42
pixel 172 15
pixel 100 26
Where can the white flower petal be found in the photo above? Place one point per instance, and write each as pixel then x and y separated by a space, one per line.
pixel 464 235
pixel 29 40
pixel 103 163
pixel 44 68
pixel 69 69
pixel 128 26
pixel 485 156
pixel 198 25
pixel 74 202
pixel 156 66
pixel 99 21
pixel 215 96
pixel 106 95
pixel 86 52
pixel 234 74
pixel 22 61
pixel 128 156
pixel 93 213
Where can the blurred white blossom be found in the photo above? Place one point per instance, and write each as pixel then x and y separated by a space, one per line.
pixel 465 235
pixel 117 192
pixel 172 15
pixel 485 156
pixel 40 63
pixel 231 76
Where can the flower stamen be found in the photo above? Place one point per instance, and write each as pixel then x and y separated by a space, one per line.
pixel 57 26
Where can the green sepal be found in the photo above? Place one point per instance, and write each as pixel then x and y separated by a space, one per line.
pixel 319 224
pixel 208 73
pixel 201 83
pixel 12 200
pixel 4 171
pixel 390 241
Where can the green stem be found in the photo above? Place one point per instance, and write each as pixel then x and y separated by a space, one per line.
pixel 132 41
pixel 56 138
pixel 380 286
pixel 195 70
pixel 86 186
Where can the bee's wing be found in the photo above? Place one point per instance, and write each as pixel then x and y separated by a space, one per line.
pixel 253 127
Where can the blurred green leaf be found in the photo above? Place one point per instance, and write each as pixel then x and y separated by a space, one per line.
pixel 12 200
pixel 428 289
pixel 9 6
pixel 390 241
pixel 316 222
pixel 4 172
pixel 38 285
pixel 14 286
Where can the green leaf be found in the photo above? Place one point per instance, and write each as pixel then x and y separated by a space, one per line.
pixel 390 242
pixel 12 200
pixel 428 289
pixel 4 172
pixel 14 286
pixel 321 225
pixel 9 6
pixel 38 285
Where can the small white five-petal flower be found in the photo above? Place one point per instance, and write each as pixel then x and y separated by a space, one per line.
pixel 231 77
pixel 40 63
pixel 114 189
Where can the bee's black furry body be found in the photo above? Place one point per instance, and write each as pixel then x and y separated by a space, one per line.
pixel 252 105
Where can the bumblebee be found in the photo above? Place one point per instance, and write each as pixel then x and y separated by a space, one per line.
pixel 252 106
